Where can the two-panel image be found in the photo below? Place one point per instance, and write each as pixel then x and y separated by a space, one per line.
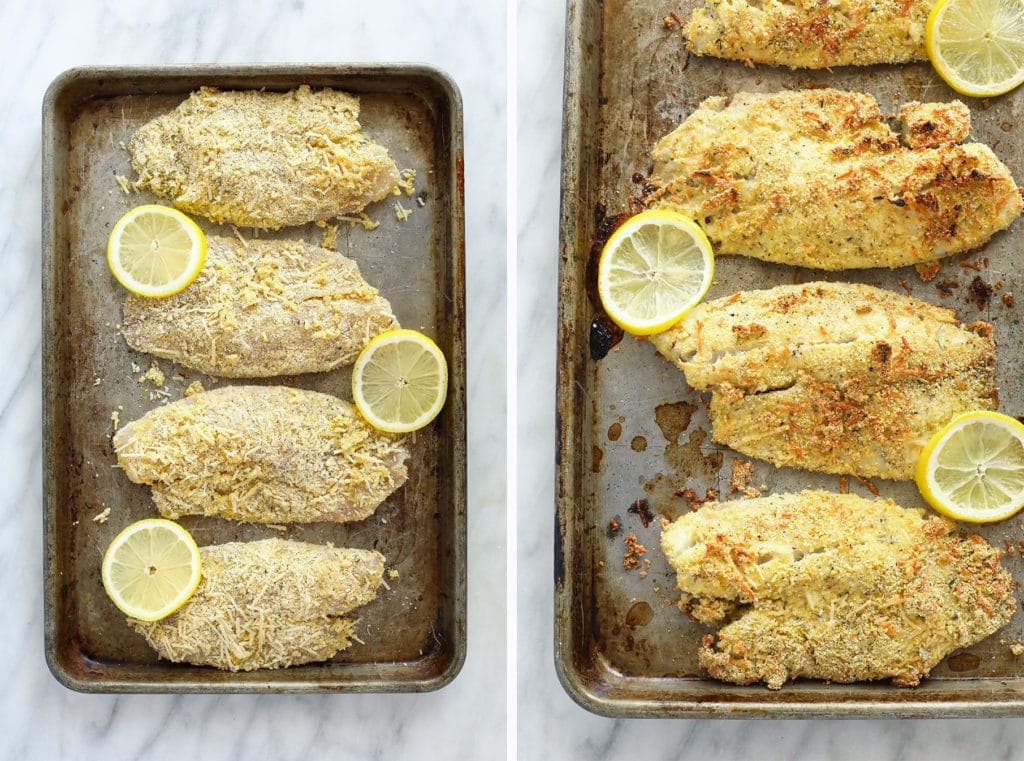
pixel 453 381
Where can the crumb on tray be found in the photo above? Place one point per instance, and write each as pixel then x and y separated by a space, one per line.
pixel 154 373
pixel 631 560
pixel 195 387
pixel 401 213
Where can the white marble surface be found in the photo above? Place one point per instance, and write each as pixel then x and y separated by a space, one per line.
pixel 550 724
pixel 39 719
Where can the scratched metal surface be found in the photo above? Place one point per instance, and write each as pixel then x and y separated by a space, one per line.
pixel 631 430
pixel 414 632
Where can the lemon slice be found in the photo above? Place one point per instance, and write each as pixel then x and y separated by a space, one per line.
pixel 973 469
pixel 400 381
pixel 151 569
pixel 653 270
pixel 156 251
pixel 977 46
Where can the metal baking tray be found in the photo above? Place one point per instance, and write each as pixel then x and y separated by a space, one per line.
pixel 414 632
pixel 629 428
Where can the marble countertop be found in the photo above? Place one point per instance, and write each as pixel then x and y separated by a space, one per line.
pixel 551 725
pixel 40 719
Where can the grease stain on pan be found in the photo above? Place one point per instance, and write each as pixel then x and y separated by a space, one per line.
pixel 963 662
pixel 688 458
pixel 673 418
pixel 639 614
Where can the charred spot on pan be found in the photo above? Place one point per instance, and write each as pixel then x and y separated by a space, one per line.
pixel 1008 300
pixel 604 334
pixel 945 287
pixel 641 508
pixel 605 227
pixel 980 292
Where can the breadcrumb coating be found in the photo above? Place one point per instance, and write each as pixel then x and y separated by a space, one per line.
pixel 833 586
pixel 810 34
pixel 816 178
pixel 833 377
pixel 268 604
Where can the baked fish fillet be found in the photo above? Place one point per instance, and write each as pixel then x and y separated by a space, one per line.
pixel 834 377
pixel 264 454
pixel 809 34
pixel 833 586
pixel 816 178
pixel 263 159
pixel 262 308
pixel 268 604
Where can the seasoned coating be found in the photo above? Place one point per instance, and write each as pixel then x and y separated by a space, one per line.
pixel 833 586
pixel 810 34
pixel 929 125
pixel 268 604
pixel 834 377
pixel 263 159
pixel 264 454
pixel 816 178
pixel 260 309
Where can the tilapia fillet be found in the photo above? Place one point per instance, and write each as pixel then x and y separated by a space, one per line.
pixel 833 377
pixel 263 159
pixel 816 178
pixel 833 586
pixel 262 308
pixel 268 604
pixel 263 454
pixel 810 34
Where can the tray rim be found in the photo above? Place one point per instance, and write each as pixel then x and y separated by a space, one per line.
pixel 567 609
pixel 454 176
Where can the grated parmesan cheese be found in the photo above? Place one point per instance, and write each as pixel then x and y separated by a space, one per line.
pixel 262 159
pixel 265 454
pixel 153 374
pixel 268 604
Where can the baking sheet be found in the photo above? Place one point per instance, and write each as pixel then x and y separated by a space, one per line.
pixel 414 632
pixel 629 429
